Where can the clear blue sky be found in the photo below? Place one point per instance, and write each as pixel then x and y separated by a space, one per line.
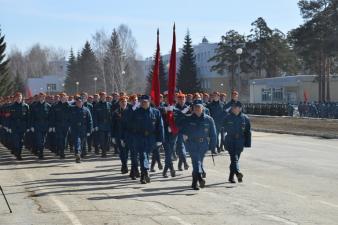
pixel 69 23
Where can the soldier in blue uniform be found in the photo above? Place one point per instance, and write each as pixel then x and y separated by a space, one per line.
pixel 180 148
pixel 217 112
pixel 18 123
pixel 102 116
pixel 81 125
pixel 39 119
pixel 238 129
pixel 234 99
pixel 87 104
pixel 149 133
pixel 60 122
pixel 199 134
pixel 119 125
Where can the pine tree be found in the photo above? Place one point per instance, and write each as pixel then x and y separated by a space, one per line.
pixel 72 74
pixel 88 68
pixel 113 65
pixel 187 80
pixel 19 84
pixel 5 80
pixel 163 78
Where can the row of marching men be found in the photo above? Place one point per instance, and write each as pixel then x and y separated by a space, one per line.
pixel 134 127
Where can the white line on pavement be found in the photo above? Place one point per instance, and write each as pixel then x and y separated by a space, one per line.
pixel 179 220
pixel 279 219
pixel 329 204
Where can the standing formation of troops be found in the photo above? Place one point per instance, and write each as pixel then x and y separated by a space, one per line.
pixel 318 109
pixel 133 126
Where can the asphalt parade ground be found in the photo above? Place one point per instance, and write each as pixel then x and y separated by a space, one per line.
pixel 287 180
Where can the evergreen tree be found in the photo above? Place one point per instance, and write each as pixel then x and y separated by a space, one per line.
pixel 5 80
pixel 114 65
pixel 19 84
pixel 72 74
pixel 163 78
pixel 187 80
pixel 88 68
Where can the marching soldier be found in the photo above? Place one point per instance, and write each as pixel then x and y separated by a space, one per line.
pixel 87 104
pixel 81 126
pixel 18 123
pixel 102 123
pixel 149 133
pixel 40 123
pixel 60 121
pixel 199 134
pixel 238 129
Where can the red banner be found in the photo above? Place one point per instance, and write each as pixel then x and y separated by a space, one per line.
pixel 155 84
pixel 172 85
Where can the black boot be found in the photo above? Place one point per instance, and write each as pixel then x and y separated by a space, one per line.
pixel 231 178
pixel 201 181
pixel 143 178
pixel 172 171
pixel 186 166
pixel 137 172
pixel 194 183
pixel 164 173
pixel 124 169
pixel 152 166
pixel 147 177
pixel 179 166
pixel 132 174
pixel 239 176
pixel 160 166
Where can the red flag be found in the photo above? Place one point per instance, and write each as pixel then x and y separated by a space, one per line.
pixel 155 84
pixel 305 96
pixel 172 84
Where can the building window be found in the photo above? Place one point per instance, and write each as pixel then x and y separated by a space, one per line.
pixel 51 87
pixel 277 94
pixel 266 94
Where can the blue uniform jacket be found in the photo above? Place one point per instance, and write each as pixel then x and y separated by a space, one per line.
pixel 60 115
pixel 200 130
pixel 19 117
pixel 238 129
pixel 120 123
pixel 81 121
pixel 39 115
pixel 217 112
pixel 102 116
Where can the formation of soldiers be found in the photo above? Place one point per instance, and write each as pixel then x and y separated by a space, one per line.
pixel 318 109
pixel 273 109
pixel 135 129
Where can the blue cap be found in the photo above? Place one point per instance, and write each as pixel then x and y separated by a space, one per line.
pixel 145 98
pixel 198 102
pixel 237 104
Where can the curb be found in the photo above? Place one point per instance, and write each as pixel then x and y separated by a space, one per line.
pixel 326 136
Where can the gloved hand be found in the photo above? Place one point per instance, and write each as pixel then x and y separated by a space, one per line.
pixel 32 129
pixel 28 130
pixel 50 129
pixel 185 110
pixel 53 129
pixel 10 130
pixel 185 137
pixel 169 129
pixel 88 134
pixel 123 144
pixel 169 108
pixel 96 128
pixel 158 144
pixel 114 141
pixel 136 106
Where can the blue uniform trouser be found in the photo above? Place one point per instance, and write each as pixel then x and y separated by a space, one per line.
pixel 133 151
pixel 169 145
pixel 61 139
pixel 79 141
pixel 144 146
pixel 156 155
pixel 235 154
pixel 17 141
pixel 197 152
pixel 104 140
pixel 123 152
pixel 222 138
pixel 180 148
pixel 40 138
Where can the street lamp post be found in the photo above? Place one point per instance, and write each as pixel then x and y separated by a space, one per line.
pixel 77 86
pixel 239 52
pixel 95 79
pixel 253 91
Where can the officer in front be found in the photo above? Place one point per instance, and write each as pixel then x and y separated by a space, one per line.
pixel 81 126
pixel 149 133
pixel 199 134
pixel 238 135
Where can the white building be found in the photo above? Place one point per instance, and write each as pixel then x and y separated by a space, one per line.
pixel 210 81
pixel 50 84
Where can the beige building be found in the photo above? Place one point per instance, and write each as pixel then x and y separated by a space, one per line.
pixel 292 89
